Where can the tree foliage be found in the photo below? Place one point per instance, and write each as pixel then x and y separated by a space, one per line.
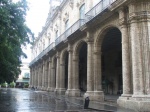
pixel 14 34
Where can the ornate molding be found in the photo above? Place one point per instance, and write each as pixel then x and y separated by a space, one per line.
pixel 55 27
pixel 139 16
pixel 66 16
pixel 71 2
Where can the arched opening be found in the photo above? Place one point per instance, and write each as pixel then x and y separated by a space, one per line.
pixel 83 68
pixel 47 73
pixel 55 68
pixel 66 70
pixel 111 60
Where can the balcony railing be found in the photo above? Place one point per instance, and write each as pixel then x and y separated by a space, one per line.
pixel 98 8
pixel 44 52
pixel 70 31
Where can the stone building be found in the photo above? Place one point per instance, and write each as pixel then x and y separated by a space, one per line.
pixel 95 47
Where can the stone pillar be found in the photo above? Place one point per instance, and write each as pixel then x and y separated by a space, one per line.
pixel 98 93
pixel 70 69
pixel 62 88
pixel 90 72
pixel 73 75
pixel 43 75
pixel 53 75
pixel 76 72
pixel 139 16
pixel 31 73
pixel 138 88
pixel 53 79
pixel 93 75
pixel 125 55
pixel 49 73
pixel 46 74
pixel 38 76
pixel 33 76
pixel 57 74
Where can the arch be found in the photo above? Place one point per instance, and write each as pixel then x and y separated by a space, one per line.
pixel 78 46
pixel 62 56
pixel 109 44
pixel 53 61
pixel 99 39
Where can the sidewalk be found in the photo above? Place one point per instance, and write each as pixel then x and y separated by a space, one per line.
pixel 107 106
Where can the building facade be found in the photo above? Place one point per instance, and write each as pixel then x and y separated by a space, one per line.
pixel 95 47
pixel 24 76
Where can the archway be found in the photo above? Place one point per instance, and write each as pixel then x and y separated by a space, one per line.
pixel 66 70
pixel 54 75
pixel 111 62
pixel 83 67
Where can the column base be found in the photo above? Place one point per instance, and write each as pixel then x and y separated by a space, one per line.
pixel 52 89
pixel 60 91
pixel 39 87
pixel 138 103
pixel 42 88
pixel 48 89
pixel 95 95
pixel 73 92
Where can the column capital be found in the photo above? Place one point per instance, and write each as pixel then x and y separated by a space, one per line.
pixel 58 55
pixel 70 49
pixel 90 35
pixel 50 59
pixel 122 16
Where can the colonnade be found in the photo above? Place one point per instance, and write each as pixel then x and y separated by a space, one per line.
pixel 48 72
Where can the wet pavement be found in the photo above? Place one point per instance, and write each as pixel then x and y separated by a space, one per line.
pixel 25 100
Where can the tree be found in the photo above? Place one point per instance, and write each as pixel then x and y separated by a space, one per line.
pixel 14 34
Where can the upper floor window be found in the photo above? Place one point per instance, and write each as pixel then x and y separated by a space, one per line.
pixel 82 11
pixel 66 24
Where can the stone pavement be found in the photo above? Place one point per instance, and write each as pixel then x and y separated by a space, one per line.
pixel 109 105
pixel 26 100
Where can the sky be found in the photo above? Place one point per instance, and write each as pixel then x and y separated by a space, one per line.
pixel 35 20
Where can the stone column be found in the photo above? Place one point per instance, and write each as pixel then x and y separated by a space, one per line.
pixel 53 79
pixel 49 74
pixel 90 68
pixel 73 76
pixel 43 75
pixel 139 16
pixel 98 93
pixel 38 76
pixel 62 88
pixel 33 76
pixel 90 78
pixel 76 73
pixel 57 74
pixel 125 55
pixel 138 88
pixel 31 73
pixel 46 75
